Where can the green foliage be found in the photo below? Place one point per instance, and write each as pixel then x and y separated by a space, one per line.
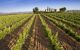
pixel 23 35
pixel 35 10
pixel 10 22
pixel 63 9
pixel 54 40
pixel 63 25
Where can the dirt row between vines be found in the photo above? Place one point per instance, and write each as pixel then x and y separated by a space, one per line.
pixel 10 39
pixel 67 41
pixel 75 29
pixel 37 41
pixel 26 44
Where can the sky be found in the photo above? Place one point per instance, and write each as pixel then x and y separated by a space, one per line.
pixel 28 5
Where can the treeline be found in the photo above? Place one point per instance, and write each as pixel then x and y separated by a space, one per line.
pixel 36 10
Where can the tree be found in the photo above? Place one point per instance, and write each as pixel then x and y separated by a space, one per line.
pixel 55 10
pixel 35 10
pixel 62 9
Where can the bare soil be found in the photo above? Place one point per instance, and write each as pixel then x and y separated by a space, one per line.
pixel 71 44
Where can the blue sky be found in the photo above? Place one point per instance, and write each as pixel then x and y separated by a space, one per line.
pixel 28 5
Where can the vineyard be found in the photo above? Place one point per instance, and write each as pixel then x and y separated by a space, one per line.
pixel 44 31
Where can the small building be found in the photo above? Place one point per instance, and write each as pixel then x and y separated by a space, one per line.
pixel 50 10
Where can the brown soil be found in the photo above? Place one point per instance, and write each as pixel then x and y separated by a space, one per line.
pixel 10 39
pixel 75 29
pixel 37 40
pixel 63 37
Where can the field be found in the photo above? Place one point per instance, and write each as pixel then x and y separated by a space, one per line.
pixel 44 31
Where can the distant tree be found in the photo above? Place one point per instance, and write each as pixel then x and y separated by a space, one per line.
pixel 55 10
pixel 62 9
pixel 35 10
